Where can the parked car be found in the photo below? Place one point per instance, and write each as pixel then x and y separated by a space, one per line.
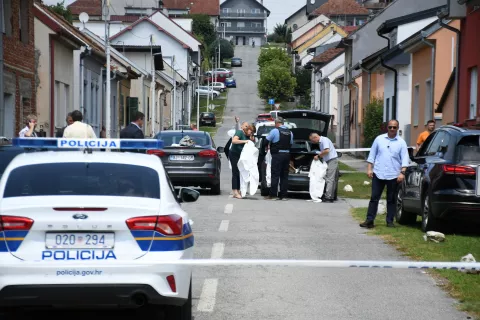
pixel 236 62
pixel 217 77
pixel 302 123
pixel 223 70
pixel 231 83
pixel 218 86
pixel 196 166
pixel 264 117
pixel 208 119
pixel 442 184
pixel 204 91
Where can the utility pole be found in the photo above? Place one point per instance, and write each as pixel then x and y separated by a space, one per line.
pixel 108 120
pixel 152 87
pixel 219 56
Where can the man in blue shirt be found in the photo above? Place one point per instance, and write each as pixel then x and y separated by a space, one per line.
pixel 389 157
pixel 281 140
pixel 330 156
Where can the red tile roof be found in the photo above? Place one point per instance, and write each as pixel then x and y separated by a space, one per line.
pixel 124 18
pixel 350 29
pixel 327 56
pixel 338 7
pixel 91 7
pixel 209 7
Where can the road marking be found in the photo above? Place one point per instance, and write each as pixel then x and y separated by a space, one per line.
pixel 228 208
pixel 223 226
pixel 217 250
pixel 207 297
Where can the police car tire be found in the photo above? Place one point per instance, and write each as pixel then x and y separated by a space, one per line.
pixel 183 312
pixel 215 189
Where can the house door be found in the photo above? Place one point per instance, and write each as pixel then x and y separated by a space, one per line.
pixel 473 92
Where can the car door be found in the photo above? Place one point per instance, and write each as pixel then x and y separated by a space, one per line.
pixel 412 176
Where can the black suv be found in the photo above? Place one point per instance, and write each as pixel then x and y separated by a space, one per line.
pixel 442 184
pixel 208 119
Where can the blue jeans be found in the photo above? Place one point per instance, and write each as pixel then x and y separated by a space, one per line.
pixel 378 185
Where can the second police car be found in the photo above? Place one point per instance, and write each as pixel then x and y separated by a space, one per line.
pixel 91 228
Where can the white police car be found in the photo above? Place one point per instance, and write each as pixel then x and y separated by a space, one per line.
pixel 91 228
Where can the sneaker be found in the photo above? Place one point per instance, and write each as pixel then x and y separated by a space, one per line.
pixel 367 224
pixel 391 225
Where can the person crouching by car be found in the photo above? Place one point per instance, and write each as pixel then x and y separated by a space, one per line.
pixel 330 156
pixel 238 142
pixel 281 140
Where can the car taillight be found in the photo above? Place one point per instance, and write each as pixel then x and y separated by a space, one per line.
pixel 460 170
pixel 170 225
pixel 208 154
pixel 9 223
pixel 159 153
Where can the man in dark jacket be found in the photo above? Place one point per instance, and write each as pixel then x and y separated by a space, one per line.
pixel 134 129
pixel 69 120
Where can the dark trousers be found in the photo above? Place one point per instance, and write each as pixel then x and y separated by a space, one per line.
pixel 280 167
pixel 234 157
pixel 378 185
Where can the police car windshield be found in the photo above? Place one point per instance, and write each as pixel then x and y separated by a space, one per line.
pixel 172 139
pixel 83 179
pixel 264 130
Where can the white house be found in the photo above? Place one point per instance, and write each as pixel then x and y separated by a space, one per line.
pixel 298 19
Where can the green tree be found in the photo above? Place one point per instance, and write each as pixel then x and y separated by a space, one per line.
pixel 373 121
pixel 60 9
pixel 202 26
pixel 281 31
pixel 276 82
pixel 226 49
pixel 268 55
pixel 304 81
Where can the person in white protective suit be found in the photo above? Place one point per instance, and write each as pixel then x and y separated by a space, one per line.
pixel 248 166
pixel 238 142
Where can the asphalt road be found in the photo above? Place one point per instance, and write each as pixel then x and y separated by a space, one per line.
pixel 296 229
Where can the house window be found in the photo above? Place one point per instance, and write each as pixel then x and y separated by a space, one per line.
pixel 240 24
pixel 23 20
pixel 7 18
pixel 428 101
pixel 473 92
pixel 255 10
pixel 256 24
pixel 241 12
pixel 416 97
pixel 226 10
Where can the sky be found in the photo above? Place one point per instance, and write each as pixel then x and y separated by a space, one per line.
pixel 279 9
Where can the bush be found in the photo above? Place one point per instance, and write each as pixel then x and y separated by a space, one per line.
pixel 276 82
pixel 268 55
pixel 373 121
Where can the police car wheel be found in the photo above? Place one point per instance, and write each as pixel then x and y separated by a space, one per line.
pixel 183 312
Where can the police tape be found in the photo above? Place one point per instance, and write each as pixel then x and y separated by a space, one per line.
pixel 335 264
pixel 361 149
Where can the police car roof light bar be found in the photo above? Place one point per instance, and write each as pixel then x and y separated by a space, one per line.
pixel 64 143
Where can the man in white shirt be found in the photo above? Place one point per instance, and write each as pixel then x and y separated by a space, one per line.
pixel 78 129
pixel 330 156
pixel 29 130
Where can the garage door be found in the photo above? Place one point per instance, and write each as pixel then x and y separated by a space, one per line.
pixel 258 41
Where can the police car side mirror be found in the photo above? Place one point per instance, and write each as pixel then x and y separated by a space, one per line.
pixel 188 195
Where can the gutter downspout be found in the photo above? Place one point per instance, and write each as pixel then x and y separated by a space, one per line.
pixel 432 73
pixel 457 58
pixel 2 102
pixel 395 84
pixel 52 86
pixel 83 54
pixel 355 121
pixel 159 94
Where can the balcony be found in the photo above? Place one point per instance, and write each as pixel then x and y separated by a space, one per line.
pixel 241 29
pixel 242 15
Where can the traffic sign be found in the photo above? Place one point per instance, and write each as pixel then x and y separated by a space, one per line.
pixel 271 101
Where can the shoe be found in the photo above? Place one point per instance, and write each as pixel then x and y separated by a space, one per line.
pixel 329 200
pixel 391 225
pixel 367 224
pixel 269 198
pixel 281 199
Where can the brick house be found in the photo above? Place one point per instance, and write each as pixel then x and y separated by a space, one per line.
pixel 19 67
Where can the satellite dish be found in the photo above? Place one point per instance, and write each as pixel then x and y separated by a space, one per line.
pixel 83 17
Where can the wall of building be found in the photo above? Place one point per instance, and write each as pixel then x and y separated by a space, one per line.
pixel 311 25
pixel 19 73
pixel 356 107
pixel 63 83
pixel 299 19
pixel 469 58
pixel 91 101
pixel 421 61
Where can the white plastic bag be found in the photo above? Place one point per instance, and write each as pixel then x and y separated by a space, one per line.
pixel 268 174
pixel 247 165
pixel 318 170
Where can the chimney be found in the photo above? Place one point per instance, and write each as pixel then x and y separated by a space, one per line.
pixel 160 4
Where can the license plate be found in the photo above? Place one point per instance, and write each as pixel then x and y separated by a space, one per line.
pixel 181 157
pixel 207 121
pixel 79 240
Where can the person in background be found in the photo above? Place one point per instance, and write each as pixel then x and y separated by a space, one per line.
pixel 29 130
pixel 389 157
pixel 238 142
pixel 134 129
pixel 193 127
pixel 103 132
pixel 69 121
pixel 424 135
pixel 78 129
pixel 330 156
pixel 281 140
